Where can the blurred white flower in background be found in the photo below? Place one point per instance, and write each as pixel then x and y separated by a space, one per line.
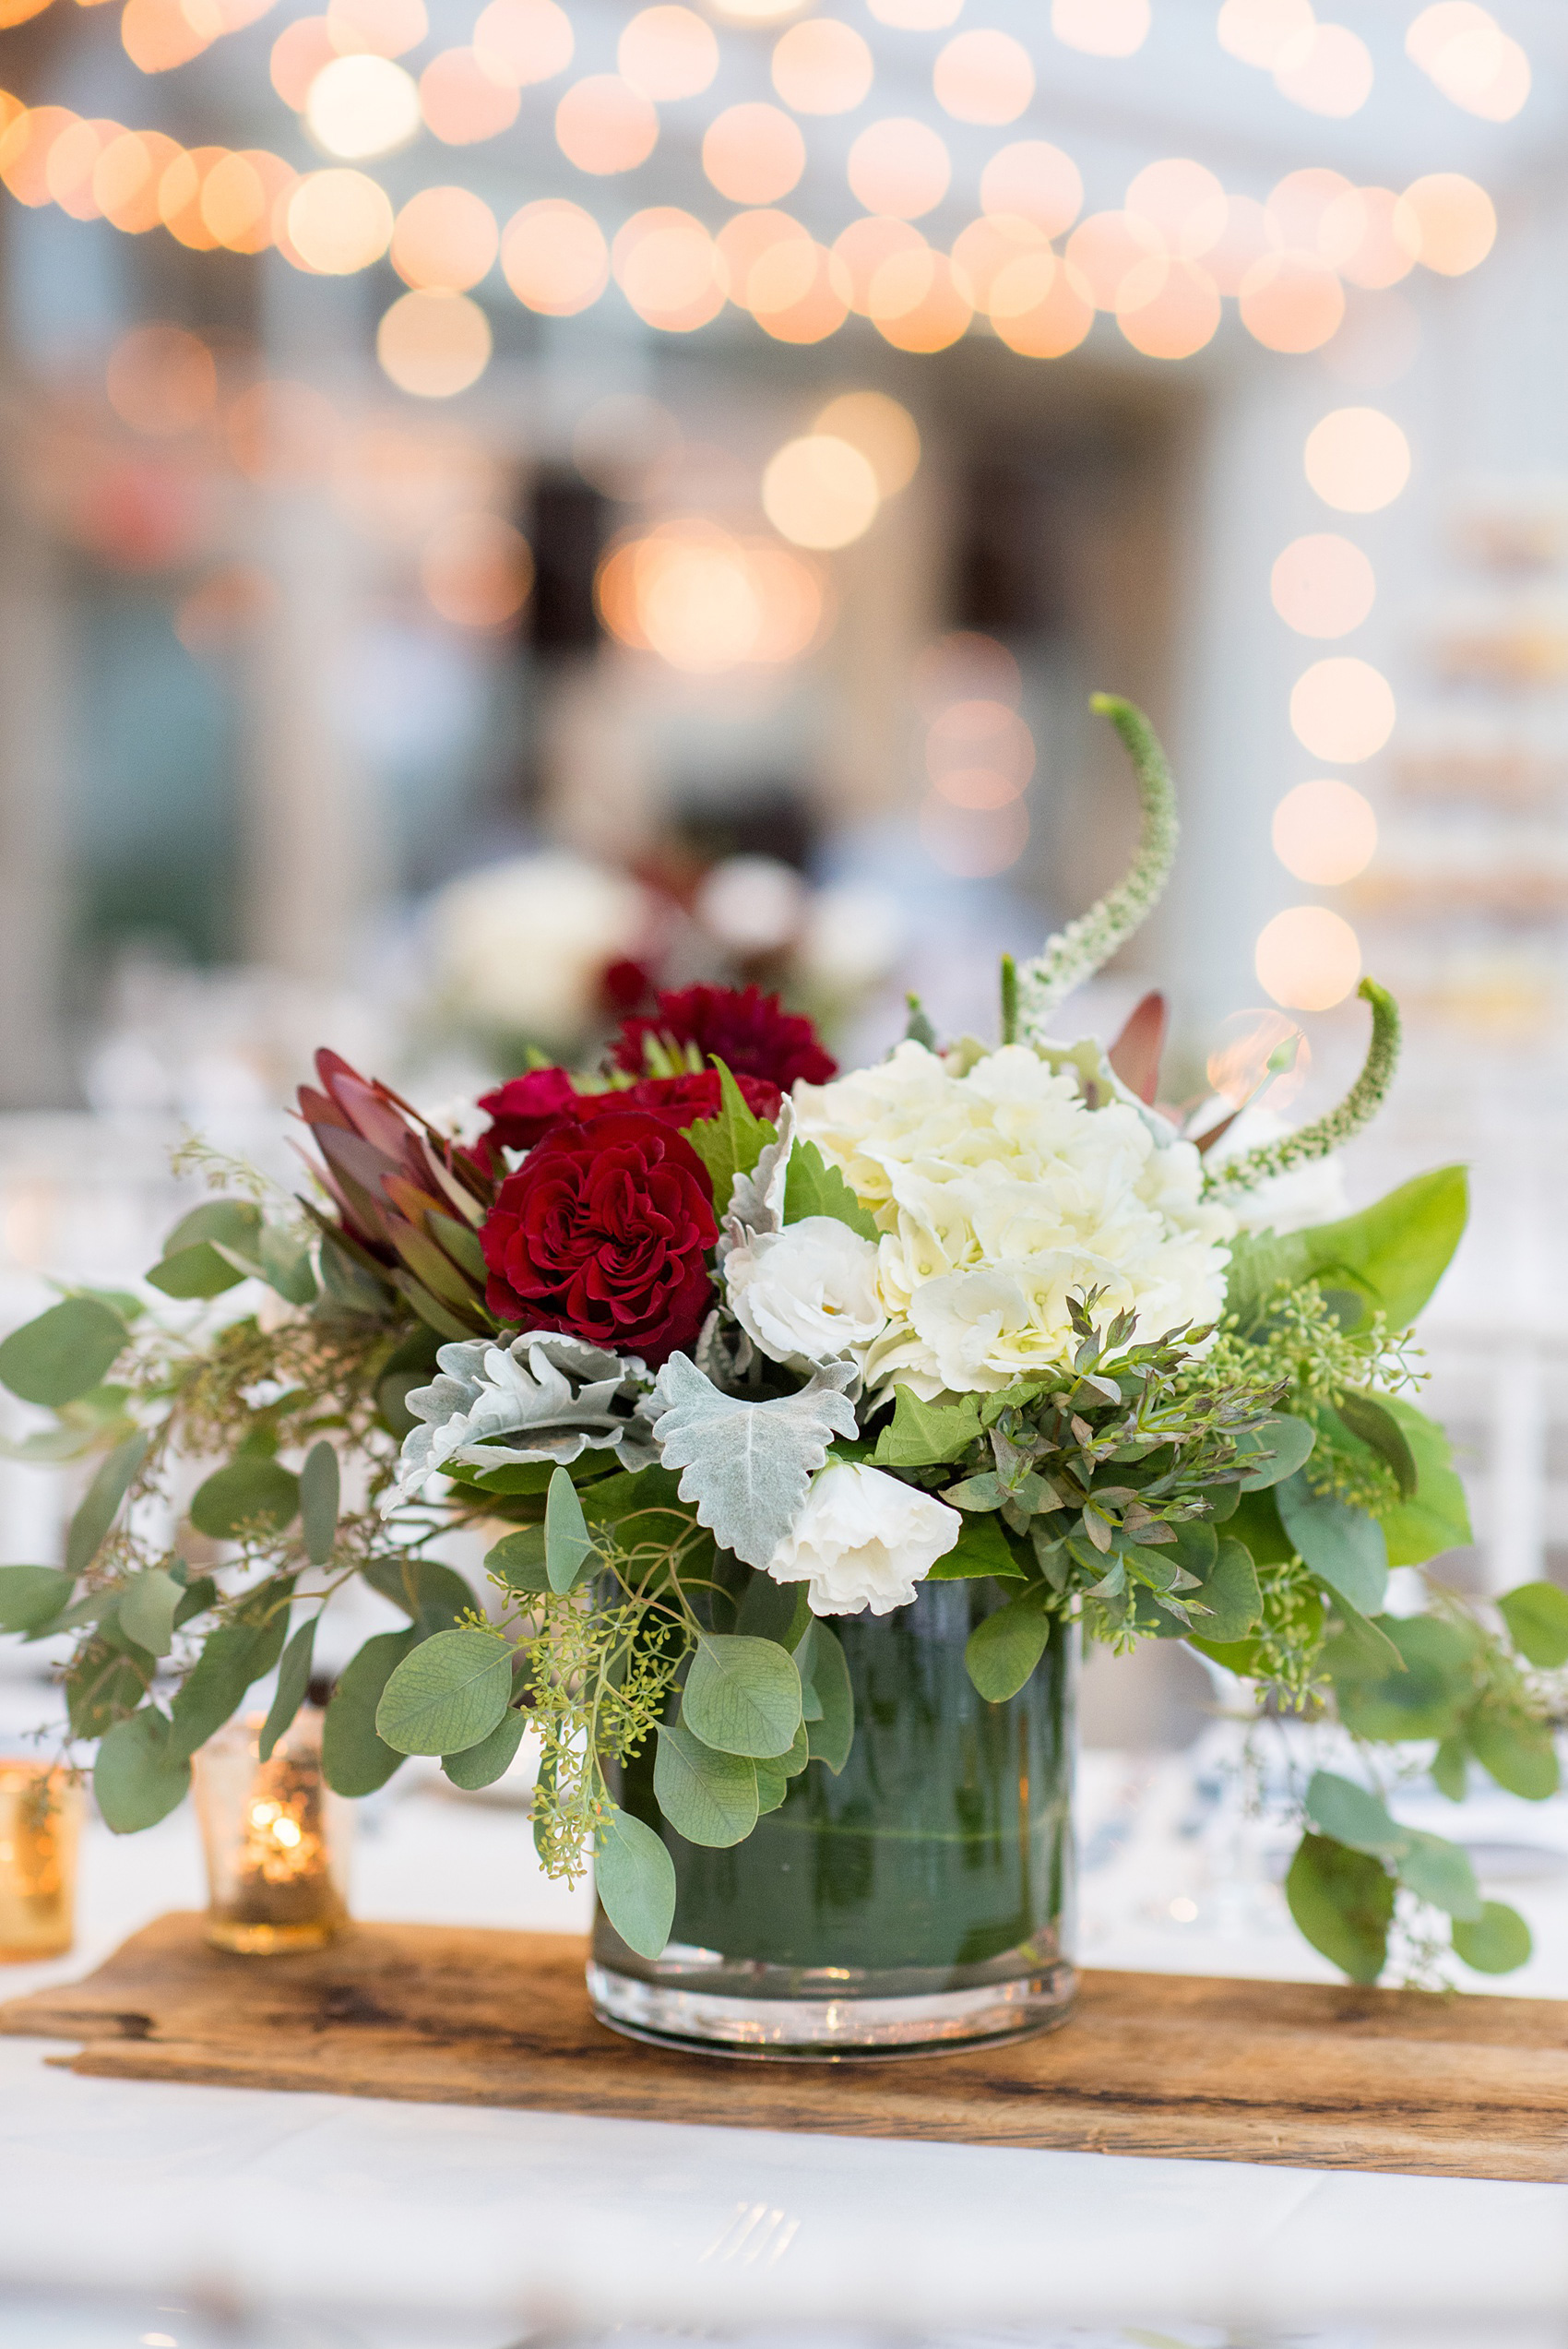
pixel 521 948
pixel 752 905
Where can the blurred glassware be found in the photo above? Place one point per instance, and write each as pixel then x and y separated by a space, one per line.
pixel 276 1838
pixel 40 1809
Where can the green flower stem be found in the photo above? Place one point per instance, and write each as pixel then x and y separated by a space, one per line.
pixel 1009 1000
pixel 1075 953
pixel 1359 1108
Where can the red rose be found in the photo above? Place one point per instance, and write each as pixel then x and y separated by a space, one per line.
pixel 749 1031
pixel 528 1108
pixel 603 1232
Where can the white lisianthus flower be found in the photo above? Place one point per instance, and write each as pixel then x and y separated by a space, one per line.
pixel 1002 1190
pixel 1290 1202
pixel 807 1294
pixel 864 1539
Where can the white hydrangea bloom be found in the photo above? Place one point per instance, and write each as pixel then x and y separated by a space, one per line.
pixel 807 1294
pixel 999 1192
pixel 864 1539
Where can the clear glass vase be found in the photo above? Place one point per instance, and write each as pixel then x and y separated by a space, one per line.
pixel 922 1899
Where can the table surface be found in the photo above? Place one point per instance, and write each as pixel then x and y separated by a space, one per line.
pixel 388 2226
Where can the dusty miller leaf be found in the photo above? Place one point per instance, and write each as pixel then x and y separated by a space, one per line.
pixel 748 1466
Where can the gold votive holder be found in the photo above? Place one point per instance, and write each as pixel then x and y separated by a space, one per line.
pixel 276 1839
pixel 40 1814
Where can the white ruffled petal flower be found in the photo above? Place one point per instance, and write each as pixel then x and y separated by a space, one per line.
pixel 808 1293
pixel 864 1539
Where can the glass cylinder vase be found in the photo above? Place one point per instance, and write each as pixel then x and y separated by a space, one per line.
pixel 276 1840
pixel 921 1899
pixel 41 1810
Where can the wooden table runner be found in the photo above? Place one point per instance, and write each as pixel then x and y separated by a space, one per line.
pixel 1154 2064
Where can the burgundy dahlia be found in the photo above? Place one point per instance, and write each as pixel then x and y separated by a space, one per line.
pixel 750 1032
pixel 524 1111
pixel 603 1232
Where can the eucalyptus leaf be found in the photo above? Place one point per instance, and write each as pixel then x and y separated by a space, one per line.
pixel 1368 1417
pixel 482 1764
pixel 1438 1518
pixel 354 1759
pixel 1001 1651
pixel 1440 1873
pixel 517 1559
pixel 825 1670
pixel 140 1775
pixel 1520 1754
pixel 1284 1442
pixel 568 1544
pixel 743 1696
pixel 1343 1546
pixel 293 1682
pixel 1337 1807
pixel 31 1596
pixel 1395 1252
pixel 253 1494
pixel 436 1595
pixel 1497 1943
pixel 1342 1904
pixel 1231 1594
pixel 147 1610
pixel 194 1272
pixel 634 1878
pixel 234 1656
pixel 447 1694
pixel 771 1610
pixel 709 1798
pixel 101 1503
pixel 1537 1616
pixel 1428 1697
pixel 922 1435
pixel 319 1495
pixel 747 1466
pixel 64 1352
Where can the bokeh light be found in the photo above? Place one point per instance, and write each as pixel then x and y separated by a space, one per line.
pixel 667 53
pixel 1291 302
pixel 127 175
pixel 900 167
pixel 820 492
pixel 706 602
pixel 476 570
pixel 1322 586
pixel 604 126
pixel 1452 219
pixel 1255 1051
pixel 1030 180
pixel 918 304
pixel 1178 318
pixel 973 842
pixel 445 241
pixel 1259 32
pixel 1182 201
pixel 985 249
pixel 1101 27
pixel 1470 58
pixel 1117 253
pixel 157 35
pixel 282 432
pixel 822 66
pixel 983 78
pixel 1342 710
pixel 1325 832
pixel 434 345
pixel 523 42
pixel 971 738
pixel 747 237
pixel 1307 957
pixel 554 258
pixel 1370 238
pixel 387 28
pixel 965 666
pixel 885 433
pixel 73 159
pixel 161 380
pixel 1325 69
pixel 669 268
pixel 866 246
pixel 302 51
pixel 1356 460
pixel 179 191
pixel 1237 235
pixel 1299 206
pixel 242 197
pixel 461 103
pixel 753 154
pixel 362 106
pixel 24 151
pixel 798 292
pixel 916 16
pixel 340 221
pixel 1041 307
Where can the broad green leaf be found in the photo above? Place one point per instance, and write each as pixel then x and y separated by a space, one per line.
pixel 64 1352
pixel 31 1596
pixel 354 1286
pixel 1344 1546
pixel 1001 1651
pixel 235 1223
pixel 747 1467
pixel 743 1696
pixel 1428 1699
pixel 1338 1808
pixel 196 1272
pixel 1537 1616
pixel 446 1695
pixel 293 1680
pixel 1359 1650
pixel 1438 1871
pixel 1521 1756
pixel 568 1544
pixel 436 1595
pixel 1498 1941
pixel 730 1143
pixel 825 1670
pixel 101 1503
pixel 922 1435
pixel 1342 1904
pixel 1450 1770
pixel 319 1503
pixel 771 1610
pixel 253 1494
pixel 626 1493
pixel 140 1775
pixel 772 1786
pixel 482 1764
pixel 981 1493
pixel 1255 1521
pixel 284 1261
pixel 353 1758
pixel 1231 1594
pixel 709 1798
pixel 983 1548
pixel 1368 1418
pixel 634 1878
pixel 1285 1444
pixel 1395 1251
pixel 517 1559
pixel 413 1365
pixel 812 1187
pixel 147 1610
pixel 235 1655
pixel 103 1681
pixel 1438 1518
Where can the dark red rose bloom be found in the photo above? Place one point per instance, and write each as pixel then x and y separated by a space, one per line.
pixel 624 986
pixel 748 1031
pixel 602 1232
pixel 528 1108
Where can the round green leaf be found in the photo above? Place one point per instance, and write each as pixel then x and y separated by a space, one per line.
pixel 709 1798
pixel 1537 1616
pixel 1001 1651
pixel 1285 1442
pixel 482 1764
pixel 140 1775
pixel 635 1877
pixel 1343 1902
pixel 250 1494
pixel 1497 1943
pixel 147 1610
pixel 64 1352
pixel 447 1696
pixel 354 1761
pixel 31 1596
pixel 743 1696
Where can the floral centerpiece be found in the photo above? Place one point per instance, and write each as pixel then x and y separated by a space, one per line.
pixel 806 1420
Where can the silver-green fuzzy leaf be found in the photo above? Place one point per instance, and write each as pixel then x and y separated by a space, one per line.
pixel 747 1467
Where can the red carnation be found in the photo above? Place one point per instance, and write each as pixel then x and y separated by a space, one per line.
pixel 751 1032
pixel 528 1108
pixel 603 1232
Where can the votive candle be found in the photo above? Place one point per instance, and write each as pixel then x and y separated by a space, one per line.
pixel 276 1839
pixel 40 1809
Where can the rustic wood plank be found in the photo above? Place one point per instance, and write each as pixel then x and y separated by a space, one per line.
pixel 1152 2064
